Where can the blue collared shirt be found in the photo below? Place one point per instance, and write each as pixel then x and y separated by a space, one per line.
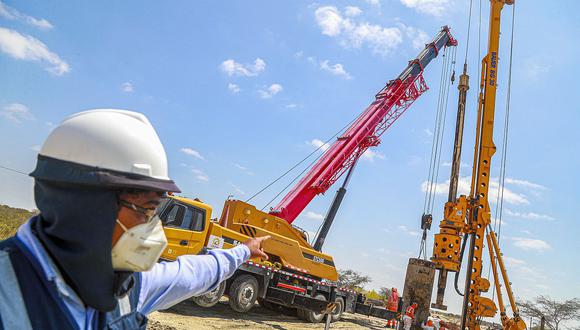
pixel 166 284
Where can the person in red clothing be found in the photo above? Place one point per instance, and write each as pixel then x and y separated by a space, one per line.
pixel 409 316
pixel 393 306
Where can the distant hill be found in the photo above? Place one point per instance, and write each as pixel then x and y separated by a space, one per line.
pixel 11 218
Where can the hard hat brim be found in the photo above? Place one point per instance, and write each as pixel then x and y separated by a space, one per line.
pixel 70 173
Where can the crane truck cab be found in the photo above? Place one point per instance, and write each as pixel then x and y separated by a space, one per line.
pixel 186 223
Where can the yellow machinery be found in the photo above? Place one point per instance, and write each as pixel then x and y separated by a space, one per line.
pixel 239 221
pixel 471 216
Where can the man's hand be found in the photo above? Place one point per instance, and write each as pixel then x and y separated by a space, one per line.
pixel 255 246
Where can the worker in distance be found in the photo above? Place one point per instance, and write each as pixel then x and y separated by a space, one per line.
pixel 89 259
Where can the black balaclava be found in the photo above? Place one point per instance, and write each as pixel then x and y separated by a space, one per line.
pixel 76 228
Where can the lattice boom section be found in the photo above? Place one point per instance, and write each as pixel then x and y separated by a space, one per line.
pixel 398 101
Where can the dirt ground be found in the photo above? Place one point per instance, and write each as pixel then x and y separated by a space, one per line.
pixel 188 315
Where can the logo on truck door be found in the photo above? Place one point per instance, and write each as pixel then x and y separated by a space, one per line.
pixel 215 242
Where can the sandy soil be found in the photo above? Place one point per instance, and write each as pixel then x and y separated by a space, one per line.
pixel 188 315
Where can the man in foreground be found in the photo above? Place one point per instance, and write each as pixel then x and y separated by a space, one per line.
pixel 88 260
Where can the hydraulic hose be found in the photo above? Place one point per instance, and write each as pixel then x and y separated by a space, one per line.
pixel 460 259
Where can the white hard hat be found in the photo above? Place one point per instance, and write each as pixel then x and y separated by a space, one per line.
pixel 105 147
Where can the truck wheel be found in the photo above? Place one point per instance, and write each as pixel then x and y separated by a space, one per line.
pixel 243 293
pixel 337 313
pixel 313 317
pixel 211 298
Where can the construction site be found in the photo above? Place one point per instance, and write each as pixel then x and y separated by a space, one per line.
pixel 421 193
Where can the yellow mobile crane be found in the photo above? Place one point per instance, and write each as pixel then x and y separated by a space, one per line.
pixel 470 217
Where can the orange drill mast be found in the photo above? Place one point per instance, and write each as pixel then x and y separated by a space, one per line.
pixel 471 216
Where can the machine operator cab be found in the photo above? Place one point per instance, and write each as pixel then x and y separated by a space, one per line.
pixel 186 223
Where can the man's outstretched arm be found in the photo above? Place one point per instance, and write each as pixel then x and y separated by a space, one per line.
pixel 191 275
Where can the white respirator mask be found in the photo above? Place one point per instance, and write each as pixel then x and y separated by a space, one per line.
pixel 139 247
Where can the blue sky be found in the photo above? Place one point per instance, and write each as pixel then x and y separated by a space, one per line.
pixel 240 91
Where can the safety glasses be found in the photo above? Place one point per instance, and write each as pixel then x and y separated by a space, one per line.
pixel 149 213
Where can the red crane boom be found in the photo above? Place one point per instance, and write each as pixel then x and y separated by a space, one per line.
pixel 389 104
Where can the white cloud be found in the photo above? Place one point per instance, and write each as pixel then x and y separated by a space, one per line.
pixel 244 169
pixel 191 152
pixel 127 87
pixel 535 67
pixel 428 132
pixel 238 190
pixel 370 155
pixel 528 244
pixel 291 106
pixel 299 54
pixel 336 69
pixel 524 184
pixel 405 229
pixel 316 143
pixel 233 68
pixel 16 112
pixel 35 148
pixel 270 91
pixel 27 48
pixel 13 14
pixel 430 7
pixel 374 2
pixel 513 262
pixel 529 215
pixel 200 175
pixel 419 37
pixel 233 88
pixel 381 40
pixel 509 196
pixel 352 11
pixel 329 20
pixel 313 216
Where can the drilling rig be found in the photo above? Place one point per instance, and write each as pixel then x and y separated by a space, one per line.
pixel 468 218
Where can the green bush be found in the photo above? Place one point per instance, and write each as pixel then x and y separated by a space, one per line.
pixel 12 218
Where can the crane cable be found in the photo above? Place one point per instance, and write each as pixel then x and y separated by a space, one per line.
pixel 434 149
pixel 438 132
pixel 13 170
pixel 447 78
pixel 500 197
pixel 300 162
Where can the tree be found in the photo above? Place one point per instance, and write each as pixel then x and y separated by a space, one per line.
pixel 555 312
pixel 373 295
pixel 352 279
pixel 385 293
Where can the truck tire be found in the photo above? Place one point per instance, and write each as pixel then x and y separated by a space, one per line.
pixel 313 317
pixel 243 293
pixel 337 313
pixel 211 298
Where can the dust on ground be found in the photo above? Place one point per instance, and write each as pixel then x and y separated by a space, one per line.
pixel 187 315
